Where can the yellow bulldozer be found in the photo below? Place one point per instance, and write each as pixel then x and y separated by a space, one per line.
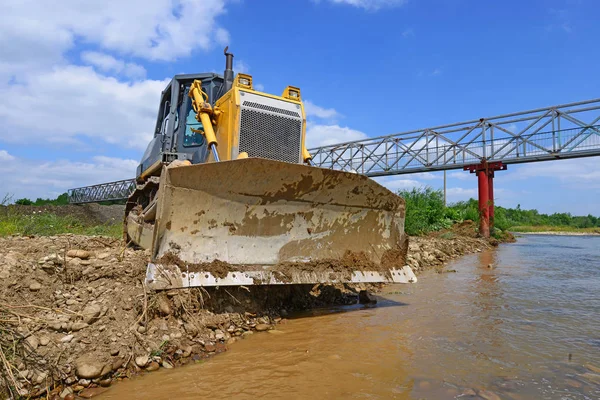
pixel 227 195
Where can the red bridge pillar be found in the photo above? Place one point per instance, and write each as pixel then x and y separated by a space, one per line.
pixel 485 183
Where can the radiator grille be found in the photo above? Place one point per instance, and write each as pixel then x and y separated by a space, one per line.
pixel 270 134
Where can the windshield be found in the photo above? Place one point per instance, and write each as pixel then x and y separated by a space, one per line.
pixel 191 138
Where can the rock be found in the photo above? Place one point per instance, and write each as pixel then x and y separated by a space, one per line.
pixel 91 313
pixel 141 329
pixel 488 395
pixel 70 396
pixel 167 365
pixel 44 340
pixel 72 302
pixel 77 326
pixel 187 351
pixel 232 340
pixel 210 348
pixel 118 363
pixel 141 361
pixel 276 332
pixel 469 392
pixel 106 369
pixel 35 286
pixel 67 339
pixel 67 391
pixel 114 351
pixel 247 333
pixel 262 327
pixel 91 392
pixel 88 368
pixel 84 382
pixel 83 254
pixel 33 342
pixel 102 256
pixel 153 366
pixel 41 377
pixel 105 382
pixel 163 305
pixel 365 297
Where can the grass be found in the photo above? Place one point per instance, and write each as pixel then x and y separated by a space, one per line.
pixel 547 228
pixel 47 224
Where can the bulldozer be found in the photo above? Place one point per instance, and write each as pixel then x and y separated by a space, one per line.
pixel 227 194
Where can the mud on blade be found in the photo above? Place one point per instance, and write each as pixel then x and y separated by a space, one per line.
pixel 258 221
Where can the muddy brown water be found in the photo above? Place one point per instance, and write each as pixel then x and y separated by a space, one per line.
pixel 528 328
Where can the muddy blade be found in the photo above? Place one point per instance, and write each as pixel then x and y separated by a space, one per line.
pixel 160 276
pixel 259 215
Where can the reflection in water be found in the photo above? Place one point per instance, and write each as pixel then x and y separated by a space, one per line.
pixel 508 329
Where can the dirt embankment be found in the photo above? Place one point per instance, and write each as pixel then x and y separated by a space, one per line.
pixel 75 315
pixel 438 248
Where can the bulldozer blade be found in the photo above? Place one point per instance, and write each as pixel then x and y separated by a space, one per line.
pixel 261 217
pixel 172 277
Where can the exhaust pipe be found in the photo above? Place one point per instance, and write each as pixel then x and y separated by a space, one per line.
pixel 228 75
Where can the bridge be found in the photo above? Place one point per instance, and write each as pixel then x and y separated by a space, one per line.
pixel 481 146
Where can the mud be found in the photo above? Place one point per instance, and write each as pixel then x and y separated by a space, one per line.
pixel 343 267
pixel 218 268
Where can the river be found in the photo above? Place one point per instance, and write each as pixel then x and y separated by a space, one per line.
pixel 527 328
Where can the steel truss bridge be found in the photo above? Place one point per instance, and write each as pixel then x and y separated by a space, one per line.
pixel 544 134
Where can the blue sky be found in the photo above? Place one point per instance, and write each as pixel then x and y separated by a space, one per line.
pixel 81 81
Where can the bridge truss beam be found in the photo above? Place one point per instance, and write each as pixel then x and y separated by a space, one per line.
pixel 558 132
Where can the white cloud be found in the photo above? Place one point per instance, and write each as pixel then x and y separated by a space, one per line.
pixel 395 183
pixel 324 135
pixel 408 32
pixel 65 102
pixel 240 67
pixel 155 30
pixel 371 5
pixel 4 156
pixel 462 193
pixel 50 179
pixel 259 86
pixel 462 175
pixel 584 171
pixel 107 63
pixel 436 72
pixel 313 110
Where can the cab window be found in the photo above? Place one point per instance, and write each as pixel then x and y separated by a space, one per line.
pixel 191 138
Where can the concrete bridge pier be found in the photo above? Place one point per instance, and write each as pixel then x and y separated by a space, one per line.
pixel 485 184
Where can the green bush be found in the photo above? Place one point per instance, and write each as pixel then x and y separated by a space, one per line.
pixel 24 202
pixel 425 211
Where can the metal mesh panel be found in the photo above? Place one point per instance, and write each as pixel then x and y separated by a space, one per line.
pixel 268 135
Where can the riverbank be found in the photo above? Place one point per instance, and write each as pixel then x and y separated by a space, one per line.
pixel 76 317
pixel 558 233
pixel 554 230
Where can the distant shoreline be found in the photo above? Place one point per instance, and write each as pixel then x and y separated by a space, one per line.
pixel 557 233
